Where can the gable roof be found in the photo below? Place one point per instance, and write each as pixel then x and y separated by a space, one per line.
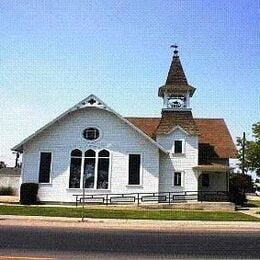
pixel 90 101
pixel 147 124
pixel 213 133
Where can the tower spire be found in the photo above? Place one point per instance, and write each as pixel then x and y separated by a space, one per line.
pixel 176 75
pixel 176 85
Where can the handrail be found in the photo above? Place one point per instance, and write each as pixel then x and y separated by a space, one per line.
pixel 146 197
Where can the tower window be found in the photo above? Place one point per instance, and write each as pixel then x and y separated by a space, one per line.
pixel 177 179
pixel 178 146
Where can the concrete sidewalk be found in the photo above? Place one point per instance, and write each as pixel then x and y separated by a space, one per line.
pixel 9 199
pixel 125 224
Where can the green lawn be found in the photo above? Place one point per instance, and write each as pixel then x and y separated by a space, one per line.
pixel 253 203
pixel 125 213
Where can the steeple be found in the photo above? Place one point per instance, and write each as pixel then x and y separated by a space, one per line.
pixel 176 92
pixel 176 95
pixel 176 75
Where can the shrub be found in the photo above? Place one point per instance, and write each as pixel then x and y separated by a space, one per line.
pixel 239 184
pixel 28 193
pixel 6 191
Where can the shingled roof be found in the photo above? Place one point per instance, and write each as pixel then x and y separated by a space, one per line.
pixel 215 140
pixel 172 119
pixel 176 80
pixel 215 137
pixel 176 75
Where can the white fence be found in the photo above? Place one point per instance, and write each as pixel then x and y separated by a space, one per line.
pixel 10 177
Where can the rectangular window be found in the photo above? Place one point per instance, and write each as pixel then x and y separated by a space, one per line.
pixel 45 167
pixel 178 146
pixel 177 179
pixel 134 169
pixel 205 180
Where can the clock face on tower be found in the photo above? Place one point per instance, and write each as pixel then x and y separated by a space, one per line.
pixel 175 102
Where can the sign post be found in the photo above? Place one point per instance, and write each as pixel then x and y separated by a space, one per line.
pixel 83 198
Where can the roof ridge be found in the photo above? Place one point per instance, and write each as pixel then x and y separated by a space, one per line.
pixel 142 117
pixel 207 118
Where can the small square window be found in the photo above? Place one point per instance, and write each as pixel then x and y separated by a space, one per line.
pixel 177 179
pixel 178 146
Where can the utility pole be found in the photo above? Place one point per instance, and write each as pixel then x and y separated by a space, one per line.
pixel 243 152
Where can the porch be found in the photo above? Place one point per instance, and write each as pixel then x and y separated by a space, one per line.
pixel 212 178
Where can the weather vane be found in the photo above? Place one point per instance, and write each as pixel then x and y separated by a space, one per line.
pixel 175 49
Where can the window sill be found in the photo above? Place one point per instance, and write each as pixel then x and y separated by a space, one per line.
pixel 45 183
pixel 86 189
pixel 178 154
pixel 134 186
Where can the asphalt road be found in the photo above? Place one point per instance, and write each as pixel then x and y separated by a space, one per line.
pixel 74 243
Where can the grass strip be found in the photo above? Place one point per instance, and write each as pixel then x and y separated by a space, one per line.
pixel 253 203
pixel 126 213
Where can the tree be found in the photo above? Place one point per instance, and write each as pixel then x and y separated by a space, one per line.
pixel 252 151
pixel 2 164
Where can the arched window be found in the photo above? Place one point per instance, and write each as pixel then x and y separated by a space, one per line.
pixel 75 168
pixel 90 153
pixel 76 153
pixel 89 168
pixel 95 167
pixel 103 169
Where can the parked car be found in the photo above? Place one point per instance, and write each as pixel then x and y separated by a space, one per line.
pixel 257 191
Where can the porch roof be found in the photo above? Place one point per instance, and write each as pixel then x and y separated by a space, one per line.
pixel 214 167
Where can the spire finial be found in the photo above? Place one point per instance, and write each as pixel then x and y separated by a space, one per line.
pixel 175 49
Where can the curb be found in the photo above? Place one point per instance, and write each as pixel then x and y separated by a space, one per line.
pixel 130 224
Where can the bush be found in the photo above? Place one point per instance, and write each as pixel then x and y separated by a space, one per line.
pixel 239 184
pixel 6 191
pixel 28 193
pixel 237 197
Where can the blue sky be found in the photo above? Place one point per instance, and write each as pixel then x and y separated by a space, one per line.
pixel 55 53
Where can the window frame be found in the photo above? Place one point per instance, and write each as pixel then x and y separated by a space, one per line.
pixel 141 170
pixel 39 166
pixel 109 168
pixel 94 140
pixel 182 179
pixel 96 168
pixel 81 166
pixel 182 146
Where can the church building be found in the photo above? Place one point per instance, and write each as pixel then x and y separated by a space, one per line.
pixel 92 145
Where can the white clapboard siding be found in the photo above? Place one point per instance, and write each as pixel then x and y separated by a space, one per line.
pixel 184 163
pixel 65 135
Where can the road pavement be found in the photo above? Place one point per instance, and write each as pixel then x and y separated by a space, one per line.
pixel 72 240
pixel 75 243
